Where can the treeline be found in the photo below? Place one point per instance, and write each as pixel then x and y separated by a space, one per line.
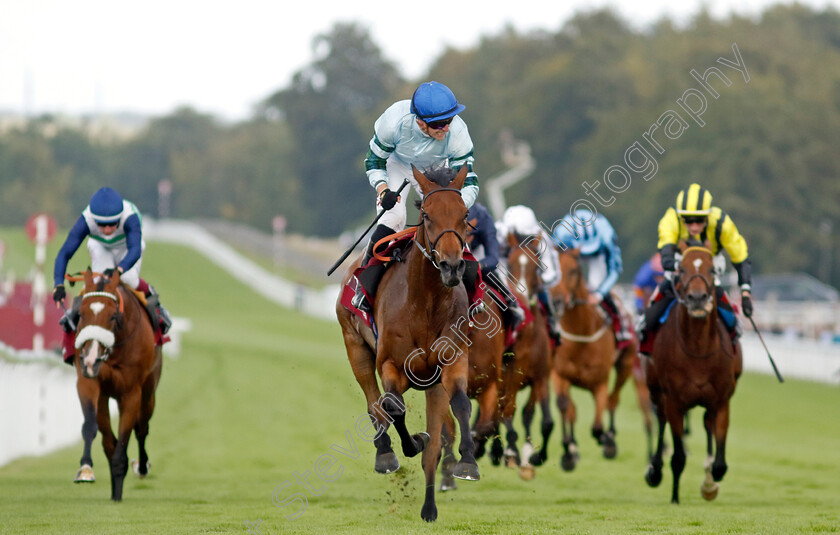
pixel 621 118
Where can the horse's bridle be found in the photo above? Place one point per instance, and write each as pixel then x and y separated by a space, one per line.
pixel 431 252
pixel 117 298
pixel 710 287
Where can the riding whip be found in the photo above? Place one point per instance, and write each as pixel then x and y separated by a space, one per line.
pixel 778 375
pixel 350 250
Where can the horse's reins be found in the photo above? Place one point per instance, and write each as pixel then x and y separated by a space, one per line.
pixel 116 297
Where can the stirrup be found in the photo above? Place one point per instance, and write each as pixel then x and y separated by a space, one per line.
pixel 359 301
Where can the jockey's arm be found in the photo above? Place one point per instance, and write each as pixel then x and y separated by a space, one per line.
pixel 133 242
pixel 736 248
pixel 74 239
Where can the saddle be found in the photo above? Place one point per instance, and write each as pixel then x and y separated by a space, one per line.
pixel 369 275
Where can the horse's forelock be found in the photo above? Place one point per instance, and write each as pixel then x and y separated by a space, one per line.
pixel 441 176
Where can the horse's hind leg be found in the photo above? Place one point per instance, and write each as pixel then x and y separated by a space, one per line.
pixel 362 363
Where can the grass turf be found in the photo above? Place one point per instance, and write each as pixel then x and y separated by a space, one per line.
pixel 260 393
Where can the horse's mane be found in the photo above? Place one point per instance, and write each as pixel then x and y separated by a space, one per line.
pixel 441 176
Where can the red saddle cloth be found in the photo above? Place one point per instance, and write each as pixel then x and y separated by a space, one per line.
pixel 349 290
pixel 510 334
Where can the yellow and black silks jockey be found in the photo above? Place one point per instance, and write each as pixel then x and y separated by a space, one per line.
pixel 694 218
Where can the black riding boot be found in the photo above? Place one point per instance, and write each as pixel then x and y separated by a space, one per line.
pixel 70 320
pixel 160 316
pixel 553 324
pixel 512 313
pixel 359 301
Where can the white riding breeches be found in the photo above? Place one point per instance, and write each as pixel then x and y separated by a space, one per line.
pixel 396 216
pixel 102 258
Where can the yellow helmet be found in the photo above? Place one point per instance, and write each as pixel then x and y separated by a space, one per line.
pixel 694 200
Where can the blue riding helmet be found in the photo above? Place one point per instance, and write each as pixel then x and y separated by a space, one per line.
pixel 106 206
pixel 588 240
pixel 433 101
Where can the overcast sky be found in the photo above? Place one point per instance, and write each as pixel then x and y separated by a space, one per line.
pixel 222 58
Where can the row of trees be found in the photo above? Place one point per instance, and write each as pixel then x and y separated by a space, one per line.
pixel 581 97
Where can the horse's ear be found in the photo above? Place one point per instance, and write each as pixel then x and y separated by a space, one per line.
pixel 511 239
pixel 115 281
pixel 575 252
pixel 682 245
pixel 707 244
pixel 88 279
pixel 426 185
pixel 458 181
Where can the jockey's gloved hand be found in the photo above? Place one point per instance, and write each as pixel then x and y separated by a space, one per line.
pixel 58 293
pixel 388 199
pixel 746 304
pixel 108 273
pixel 669 275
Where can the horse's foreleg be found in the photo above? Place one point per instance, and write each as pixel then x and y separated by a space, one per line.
pixel 129 405
pixel 547 425
pixel 721 426
pixel 675 420
pixel 605 438
pixel 436 412
pixel 447 439
pixel 653 476
pixel 623 369
pixel 567 412
pixel 488 413
pixel 88 397
pixel 466 468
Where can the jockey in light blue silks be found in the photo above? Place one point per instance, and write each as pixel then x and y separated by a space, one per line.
pixel 115 243
pixel 521 222
pixel 426 132
pixel 600 256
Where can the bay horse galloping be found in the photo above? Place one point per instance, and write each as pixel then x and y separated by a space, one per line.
pixel 116 357
pixel 531 365
pixel 420 301
pixel 585 359
pixel 694 363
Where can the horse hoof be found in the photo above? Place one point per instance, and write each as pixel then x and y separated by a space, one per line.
pixel 135 467
pixel 709 491
pixel 653 477
pixel 610 451
pixel 466 471
pixel 568 462
pixel 429 512
pixel 387 463
pixel 527 473
pixel 447 483
pixel 536 459
pixel 84 475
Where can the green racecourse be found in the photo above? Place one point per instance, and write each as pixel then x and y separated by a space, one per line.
pixel 260 392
